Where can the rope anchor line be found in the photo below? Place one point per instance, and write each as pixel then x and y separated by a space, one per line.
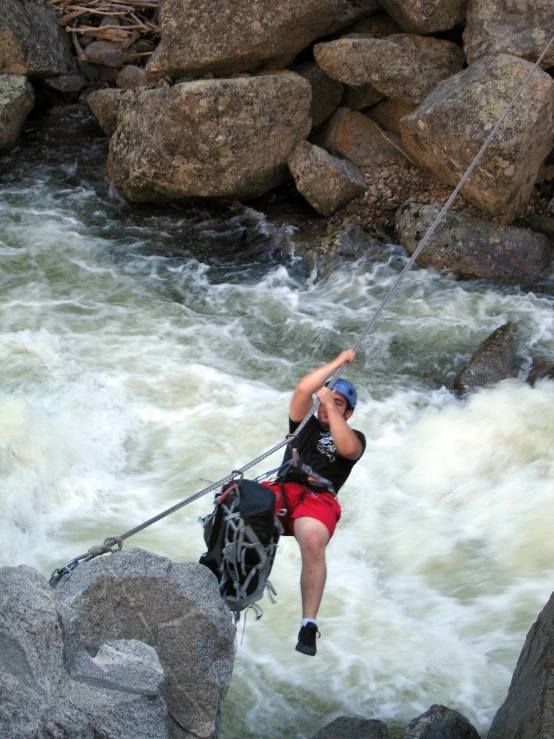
pixel 110 542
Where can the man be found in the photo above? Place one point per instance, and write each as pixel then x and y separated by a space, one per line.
pixel 330 448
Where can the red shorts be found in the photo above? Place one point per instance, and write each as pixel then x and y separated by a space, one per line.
pixel 301 501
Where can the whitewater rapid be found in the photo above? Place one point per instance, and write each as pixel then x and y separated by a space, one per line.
pixel 144 353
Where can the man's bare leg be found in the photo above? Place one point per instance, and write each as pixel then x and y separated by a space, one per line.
pixel 313 537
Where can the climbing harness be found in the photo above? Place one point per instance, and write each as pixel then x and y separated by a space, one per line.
pixel 111 542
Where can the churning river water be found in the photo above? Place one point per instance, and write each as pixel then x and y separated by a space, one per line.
pixel 145 352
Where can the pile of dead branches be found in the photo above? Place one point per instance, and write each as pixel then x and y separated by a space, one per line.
pixel 131 23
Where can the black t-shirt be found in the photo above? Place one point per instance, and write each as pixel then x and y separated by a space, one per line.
pixel 317 449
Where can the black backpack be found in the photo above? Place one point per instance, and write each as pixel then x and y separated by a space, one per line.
pixel 242 534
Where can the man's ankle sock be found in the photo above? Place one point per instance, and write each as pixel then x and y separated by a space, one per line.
pixel 308 621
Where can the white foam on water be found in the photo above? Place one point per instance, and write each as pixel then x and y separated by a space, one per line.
pixel 129 383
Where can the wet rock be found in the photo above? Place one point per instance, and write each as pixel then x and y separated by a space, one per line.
pixel 31 41
pixel 440 722
pixel 345 727
pixel 39 699
pixel 528 709
pixel 473 247
pixel 400 66
pixel 131 77
pixel 225 36
pixel 388 114
pixel 174 608
pixel 323 253
pixel 426 16
pixel 491 362
pixel 104 105
pixel 325 181
pixel 446 132
pixel 326 93
pixel 541 368
pixel 66 88
pixel 355 136
pixel 503 27
pixel 209 138
pixel 16 102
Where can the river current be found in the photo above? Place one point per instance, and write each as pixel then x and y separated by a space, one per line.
pixel 146 352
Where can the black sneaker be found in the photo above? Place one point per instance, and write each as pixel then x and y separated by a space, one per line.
pixel 306 639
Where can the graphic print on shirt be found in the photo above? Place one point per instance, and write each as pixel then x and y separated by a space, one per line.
pixel 326 446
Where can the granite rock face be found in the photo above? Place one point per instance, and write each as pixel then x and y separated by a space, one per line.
pixel 16 102
pixel 210 138
pixel 445 133
pixel 401 66
pixel 225 36
pixel 473 247
pixel 325 181
pixel 426 16
pixel 31 42
pixel 505 27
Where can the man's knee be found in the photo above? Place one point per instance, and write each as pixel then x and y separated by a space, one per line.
pixel 312 536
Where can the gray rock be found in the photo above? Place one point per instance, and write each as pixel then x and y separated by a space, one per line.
pixel 491 362
pixel 225 36
pixel 542 224
pixel 359 98
pixel 345 727
pixel 388 114
pixel 66 88
pixel 529 707
pixel 209 138
pixel 440 722
pixel 326 93
pixel 176 609
pixel 16 102
pixel 126 665
pixel 540 368
pixel 131 77
pixel 473 247
pixel 39 699
pixel 31 42
pixel 325 181
pixel 105 53
pixel 504 27
pixel 322 253
pixel 400 66
pixel 104 105
pixel 426 16
pixel 355 136
pixel 446 132
pixel 350 11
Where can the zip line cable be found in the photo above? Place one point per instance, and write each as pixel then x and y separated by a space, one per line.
pixel 112 541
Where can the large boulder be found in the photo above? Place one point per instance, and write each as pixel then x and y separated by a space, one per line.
pixel 325 181
pixel 209 138
pixel 39 696
pixel 440 722
pixel 426 16
pixel 16 101
pixel 31 41
pixel 353 135
pixel 505 27
pixel 174 608
pixel 492 361
pixel 401 66
pixel 346 727
pixel 225 36
pixel 528 711
pixel 448 129
pixel 104 105
pixel 473 247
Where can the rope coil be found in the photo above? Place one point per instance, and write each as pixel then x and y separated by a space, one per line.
pixel 110 542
